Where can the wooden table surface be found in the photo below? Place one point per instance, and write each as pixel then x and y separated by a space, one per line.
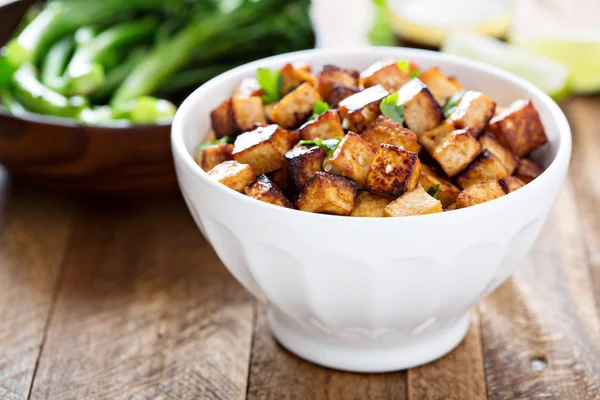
pixel 125 300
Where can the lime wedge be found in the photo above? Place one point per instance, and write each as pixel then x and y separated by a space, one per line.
pixel 549 75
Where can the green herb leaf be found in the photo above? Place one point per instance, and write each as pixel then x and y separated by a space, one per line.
pixel 415 74
pixel 319 109
pixel 205 145
pixel 433 192
pixel 452 103
pixel 390 108
pixel 329 145
pixel 403 65
pixel 270 82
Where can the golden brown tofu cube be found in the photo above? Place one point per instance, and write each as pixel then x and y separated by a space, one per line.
pixel 474 111
pixel 361 108
pixel 519 128
pixel 439 85
pixel 293 76
pixel 304 162
pixel 489 142
pixel 451 207
pixel 295 107
pixel 247 88
pixel 455 151
pixel 326 126
pixel 528 170
pixel 247 112
pixel 510 184
pixel 386 74
pixel 332 75
pixel 480 193
pixel 415 202
pixel 369 205
pixel 265 190
pixel 264 148
pixel 282 178
pixel 223 120
pixel 350 159
pixel 393 171
pixel 209 157
pixel 421 111
pixel 340 93
pixel 430 179
pixel 430 139
pixel 486 166
pixel 269 112
pixel 386 130
pixel 233 174
pixel 328 194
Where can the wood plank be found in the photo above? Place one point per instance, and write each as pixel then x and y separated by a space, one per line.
pixel 277 374
pixel 145 310
pixel 456 376
pixel 34 231
pixel 541 333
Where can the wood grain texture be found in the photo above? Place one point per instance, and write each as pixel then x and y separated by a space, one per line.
pixel 277 374
pixel 34 231
pixel 145 310
pixel 456 376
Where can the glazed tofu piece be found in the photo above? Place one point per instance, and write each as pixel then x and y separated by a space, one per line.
pixel 510 183
pixel 303 163
pixel 479 193
pixel 237 115
pixel 233 174
pixel 415 202
pixel 393 171
pixel 386 130
pixel 528 170
pixel 264 148
pixel 295 107
pixel 455 151
pixel 439 85
pixel 351 159
pixel 519 128
pixel 331 75
pixel 474 111
pixel 489 142
pixel 293 76
pixel 340 93
pixel 421 111
pixel 265 190
pixel 430 179
pixel 328 194
pixel 326 126
pixel 486 166
pixel 359 110
pixel 248 87
pixel 223 120
pixel 369 205
pixel 282 178
pixel 386 74
pixel 430 139
pixel 209 157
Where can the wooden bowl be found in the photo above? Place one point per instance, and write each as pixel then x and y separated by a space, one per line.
pixel 114 161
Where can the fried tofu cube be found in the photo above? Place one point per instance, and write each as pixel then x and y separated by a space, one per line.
pixel 293 76
pixel 248 87
pixel 328 194
pixel 528 170
pixel 350 159
pixel 223 120
pixel 474 111
pixel 510 183
pixel 393 171
pixel 303 163
pixel 386 74
pixel 430 179
pixel 340 93
pixel 386 130
pixel 236 115
pixel 265 190
pixel 233 174
pixel 264 148
pixel 361 108
pixel 332 75
pixel 486 166
pixel 295 107
pixel 369 205
pixel 282 178
pixel 455 151
pixel 489 142
pixel 439 85
pixel 479 193
pixel 430 139
pixel 326 126
pixel 415 202
pixel 451 207
pixel 209 157
pixel 519 128
pixel 268 108
pixel 421 111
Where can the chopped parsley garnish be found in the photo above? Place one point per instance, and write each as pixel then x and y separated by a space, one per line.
pixel 205 145
pixel 452 103
pixel 403 65
pixel 390 108
pixel 433 191
pixel 329 145
pixel 319 109
pixel 270 82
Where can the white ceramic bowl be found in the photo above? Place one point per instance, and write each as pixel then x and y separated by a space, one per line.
pixel 370 294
